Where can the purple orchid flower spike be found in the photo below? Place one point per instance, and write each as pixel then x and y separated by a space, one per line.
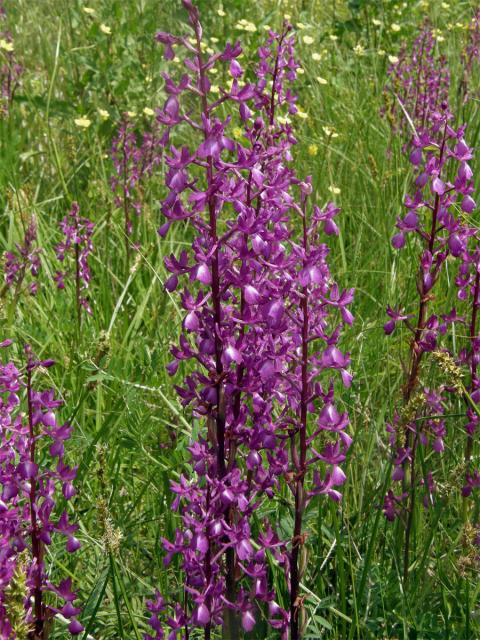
pixel 29 490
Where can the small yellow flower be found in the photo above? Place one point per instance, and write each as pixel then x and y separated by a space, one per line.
pixel 395 27
pixel 214 89
pixel 308 39
pixel 250 27
pixel 381 52
pixel 300 25
pixel 267 27
pixel 83 122
pixel 5 45
pixel 221 13
pixel 213 71
pixel 283 119
pixel 148 112
pixel 330 132
pixel 333 37
pixel 214 40
pixel 237 133
pixel 105 29
pixel 393 59
pixel 359 50
pixel 131 114
pixel 210 51
pixel 301 114
pixel 316 56
pixel 300 71
pixel 287 16
pixel 445 5
pixel 333 189
pixel 104 114
pixel 440 38
pixel 312 150
pixel 377 23
pixel 321 80
pixel 89 11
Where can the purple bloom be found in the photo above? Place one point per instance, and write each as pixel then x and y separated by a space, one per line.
pixel 76 246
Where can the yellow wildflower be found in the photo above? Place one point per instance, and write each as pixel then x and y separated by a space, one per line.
pixel 105 29
pixel 148 112
pixel 316 56
pixel 221 13
pixel 83 122
pixel 104 114
pixel 393 59
pixel 308 39
pixel 5 45
pixel 89 11
pixel 312 150
pixel 321 80
pixel 333 189
pixel 395 27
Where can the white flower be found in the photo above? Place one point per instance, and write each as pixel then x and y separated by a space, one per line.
pixel 393 59
pixel 316 56
pixel 359 50
pixel 377 23
pixel 221 13
pixel 395 27
pixel 308 39
pixel 89 11
pixel 333 37
pixel 148 112
pixel 105 29
pixel 321 80
pixel 104 114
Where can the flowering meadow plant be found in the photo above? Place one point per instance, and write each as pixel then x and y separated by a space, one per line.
pixel 22 261
pixel 133 162
pixel 76 247
pixel 438 214
pixel 256 302
pixel 34 478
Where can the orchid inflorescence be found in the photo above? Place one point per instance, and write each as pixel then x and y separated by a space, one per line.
pixel 261 326
pixel 10 69
pixel 34 478
pixel 22 261
pixel 133 161
pixel 438 214
pixel 76 247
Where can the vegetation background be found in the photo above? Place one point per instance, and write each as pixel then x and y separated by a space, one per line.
pixel 85 64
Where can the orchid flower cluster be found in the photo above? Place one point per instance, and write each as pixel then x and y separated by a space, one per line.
pixel 133 162
pixel 77 245
pixel 419 83
pixel 30 489
pixel 257 304
pixel 10 69
pixel 438 215
pixel 23 261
